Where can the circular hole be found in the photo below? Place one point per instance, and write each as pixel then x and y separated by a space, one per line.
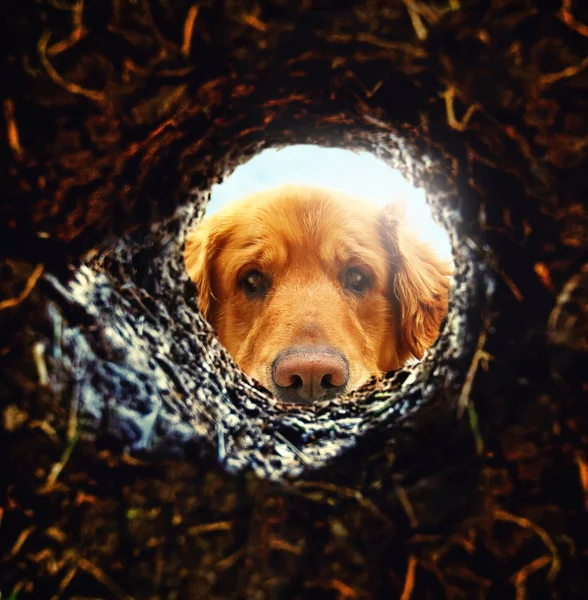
pixel 320 252
pixel 141 316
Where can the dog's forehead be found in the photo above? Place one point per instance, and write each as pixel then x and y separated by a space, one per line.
pixel 296 217
pixel 295 229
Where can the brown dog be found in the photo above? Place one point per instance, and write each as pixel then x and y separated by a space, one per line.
pixel 313 292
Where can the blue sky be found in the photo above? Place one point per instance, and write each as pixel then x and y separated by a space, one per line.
pixel 360 174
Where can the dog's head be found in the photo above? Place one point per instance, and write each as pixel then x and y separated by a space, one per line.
pixel 313 292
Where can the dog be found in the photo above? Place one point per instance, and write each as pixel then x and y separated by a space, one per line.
pixel 313 292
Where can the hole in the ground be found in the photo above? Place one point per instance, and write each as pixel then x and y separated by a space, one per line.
pixel 126 334
pixel 320 268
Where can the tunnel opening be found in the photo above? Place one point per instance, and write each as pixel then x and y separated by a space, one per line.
pixel 350 215
pixel 155 380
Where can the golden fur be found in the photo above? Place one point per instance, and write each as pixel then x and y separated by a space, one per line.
pixel 302 242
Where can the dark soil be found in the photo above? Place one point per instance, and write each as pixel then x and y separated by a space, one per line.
pixel 137 460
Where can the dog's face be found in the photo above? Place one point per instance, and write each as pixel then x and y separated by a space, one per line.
pixel 313 292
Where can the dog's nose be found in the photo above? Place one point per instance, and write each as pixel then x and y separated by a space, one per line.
pixel 304 374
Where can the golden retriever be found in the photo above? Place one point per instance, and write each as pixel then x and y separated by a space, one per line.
pixel 313 292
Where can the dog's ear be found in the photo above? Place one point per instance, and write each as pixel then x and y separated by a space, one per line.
pixel 199 255
pixel 419 281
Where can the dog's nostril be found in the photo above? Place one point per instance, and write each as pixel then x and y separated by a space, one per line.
pixel 296 382
pixel 327 382
pixel 305 374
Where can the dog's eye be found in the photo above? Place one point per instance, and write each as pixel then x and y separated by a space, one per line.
pixel 356 281
pixel 255 284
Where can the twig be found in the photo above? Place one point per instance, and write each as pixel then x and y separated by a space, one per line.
pixel 31 282
pixel 542 271
pixel 407 505
pixel 254 22
pixel 101 577
pixel 560 323
pixel 58 466
pixel 189 29
pixel 77 33
pixel 46 429
pixel 278 544
pixel 12 129
pixel 347 493
pixel 417 23
pixel 40 364
pixel 209 527
pixel 569 19
pixel 583 469
pixel 479 355
pixel 410 577
pixel 65 582
pixel 285 101
pixel 377 122
pixel 368 38
pixel 73 88
pixel 449 96
pixel 19 585
pixel 345 591
pixel 229 561
pixel 521 576
pixel 292 447
pixel 546 80
pixel 475 427
pixel 22 538
pixel 502 515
